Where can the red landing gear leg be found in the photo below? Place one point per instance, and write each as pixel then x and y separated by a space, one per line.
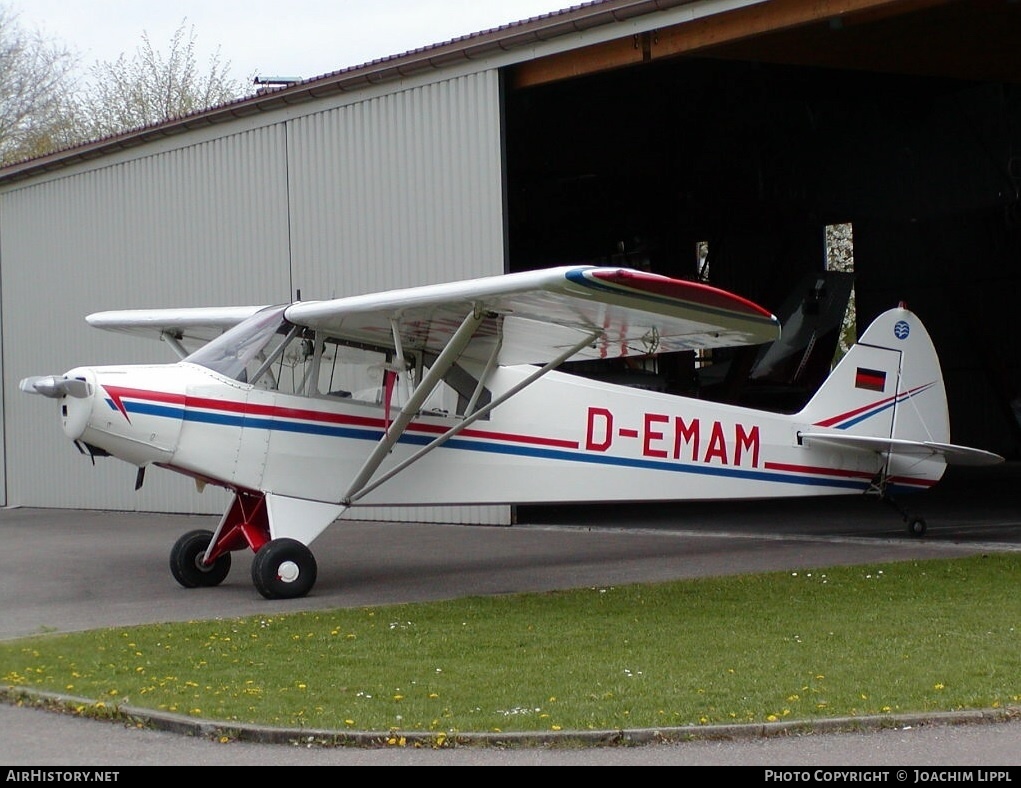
pixel 201 558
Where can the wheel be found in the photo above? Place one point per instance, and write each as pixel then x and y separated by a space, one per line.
pixel 916 526
pixel 284 569
pixel 186 561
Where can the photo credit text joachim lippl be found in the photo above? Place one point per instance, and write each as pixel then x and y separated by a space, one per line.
pixel 904 776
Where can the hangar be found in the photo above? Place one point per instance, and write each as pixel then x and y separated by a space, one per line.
pixel 639 131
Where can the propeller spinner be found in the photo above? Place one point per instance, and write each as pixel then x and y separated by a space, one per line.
pixel 55 386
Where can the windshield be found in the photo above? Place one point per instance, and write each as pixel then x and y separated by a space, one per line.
pixel 243 350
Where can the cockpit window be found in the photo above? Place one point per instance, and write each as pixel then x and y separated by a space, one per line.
pixel 240 352
pixel 271 353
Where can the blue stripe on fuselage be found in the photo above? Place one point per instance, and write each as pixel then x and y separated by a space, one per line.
pixel 559 455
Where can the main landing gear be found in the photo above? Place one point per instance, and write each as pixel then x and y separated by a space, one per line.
pixel 281 569
pixel 187 565
pixel 284 569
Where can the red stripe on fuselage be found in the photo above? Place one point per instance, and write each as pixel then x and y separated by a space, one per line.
pixel 815 470
pixel 845 474
pixel 306 414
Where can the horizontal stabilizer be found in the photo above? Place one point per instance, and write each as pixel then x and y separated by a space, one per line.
pixel 953 454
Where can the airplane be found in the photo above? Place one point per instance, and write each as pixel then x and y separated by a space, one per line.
pixel 449 394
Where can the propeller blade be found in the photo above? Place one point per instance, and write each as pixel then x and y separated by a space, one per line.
pixel 55 386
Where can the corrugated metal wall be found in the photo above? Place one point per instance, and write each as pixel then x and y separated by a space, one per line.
pixel 400 190
pixel 392 189
pixel 203 224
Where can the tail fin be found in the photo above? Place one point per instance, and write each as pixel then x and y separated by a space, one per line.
pixel 888 385
pixel 887 395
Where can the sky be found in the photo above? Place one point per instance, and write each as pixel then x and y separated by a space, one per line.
pixel 269 38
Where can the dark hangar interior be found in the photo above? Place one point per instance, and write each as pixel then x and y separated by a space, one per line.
pixel 752 131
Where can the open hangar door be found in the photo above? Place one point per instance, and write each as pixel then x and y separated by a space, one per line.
pixel 653 164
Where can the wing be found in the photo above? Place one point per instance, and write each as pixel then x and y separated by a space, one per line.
pixel 951 453
pixel 185 329
pixel 534 316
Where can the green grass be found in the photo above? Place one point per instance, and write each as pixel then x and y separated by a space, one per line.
pixel 896 638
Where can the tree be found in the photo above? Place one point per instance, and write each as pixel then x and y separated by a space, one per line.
pixel 150 88
pixel 37 87
pixel 840 257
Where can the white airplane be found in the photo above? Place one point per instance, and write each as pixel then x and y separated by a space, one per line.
pixel 450 394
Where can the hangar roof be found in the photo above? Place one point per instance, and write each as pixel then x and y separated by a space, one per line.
pixel 969 39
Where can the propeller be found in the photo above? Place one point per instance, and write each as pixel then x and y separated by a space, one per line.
pixel 55 386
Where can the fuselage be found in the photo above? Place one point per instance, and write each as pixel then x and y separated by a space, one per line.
pixel 561 439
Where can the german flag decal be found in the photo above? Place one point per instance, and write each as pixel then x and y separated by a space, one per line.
pixel 871 379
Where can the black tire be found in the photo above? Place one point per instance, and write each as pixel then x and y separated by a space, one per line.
pixel 186 561
pixel 916 526
pixel 284 569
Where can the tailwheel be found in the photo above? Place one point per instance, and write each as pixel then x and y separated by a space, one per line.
pixel 284 569
pixel 186 561
pixel 916 525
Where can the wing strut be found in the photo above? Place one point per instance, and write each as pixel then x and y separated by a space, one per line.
pixel 446 359
pixel 481 385
pixel 174 343
pixel 354 494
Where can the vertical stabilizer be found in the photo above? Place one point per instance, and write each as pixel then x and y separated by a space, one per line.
pixel 887 395
pixel 888 385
